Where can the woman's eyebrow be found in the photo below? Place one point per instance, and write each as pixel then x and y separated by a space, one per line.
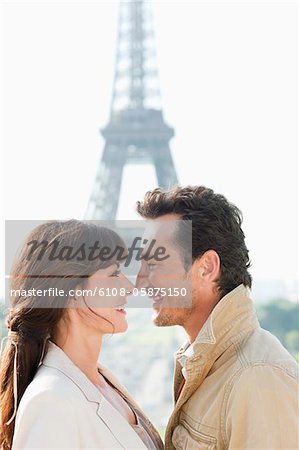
pixel 123 259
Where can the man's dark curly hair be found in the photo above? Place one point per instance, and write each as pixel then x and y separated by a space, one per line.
pixel 216 225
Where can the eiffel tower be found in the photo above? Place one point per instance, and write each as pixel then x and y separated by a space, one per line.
pixel 136 132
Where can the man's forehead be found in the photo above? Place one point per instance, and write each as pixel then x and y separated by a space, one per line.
pixel 161 229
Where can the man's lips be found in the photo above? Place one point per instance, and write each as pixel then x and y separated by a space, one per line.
pixel 157 301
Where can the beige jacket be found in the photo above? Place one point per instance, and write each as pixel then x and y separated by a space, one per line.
pixel 61 408
pixel 241 389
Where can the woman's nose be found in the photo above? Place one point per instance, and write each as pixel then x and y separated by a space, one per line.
pixel 128 285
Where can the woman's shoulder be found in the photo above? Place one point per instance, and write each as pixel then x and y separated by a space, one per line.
pixel 46 414
pixel 48 384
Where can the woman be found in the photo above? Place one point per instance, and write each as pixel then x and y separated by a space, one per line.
pixel 54 394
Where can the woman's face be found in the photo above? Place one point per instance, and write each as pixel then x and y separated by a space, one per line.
pixel 106 293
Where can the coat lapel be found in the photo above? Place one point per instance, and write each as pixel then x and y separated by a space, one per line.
pixel 119 427
pixel 110 377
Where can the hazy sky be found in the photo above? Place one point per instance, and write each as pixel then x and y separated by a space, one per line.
pixel 228 76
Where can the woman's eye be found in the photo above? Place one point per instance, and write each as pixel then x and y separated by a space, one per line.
pixel 116 273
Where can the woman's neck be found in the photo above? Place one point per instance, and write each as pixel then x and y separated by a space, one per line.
pixel 83 349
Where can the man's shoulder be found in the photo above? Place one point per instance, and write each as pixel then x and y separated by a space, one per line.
pixel 262 392
pixel 263 349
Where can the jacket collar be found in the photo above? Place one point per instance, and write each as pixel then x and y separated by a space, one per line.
pixel 231 319
pixel 58 359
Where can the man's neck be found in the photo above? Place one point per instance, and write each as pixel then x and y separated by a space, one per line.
pixel 192 328
pixel 197 319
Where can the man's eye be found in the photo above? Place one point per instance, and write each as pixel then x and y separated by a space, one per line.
pixel 116 273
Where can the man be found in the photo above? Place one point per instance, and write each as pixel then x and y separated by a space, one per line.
pixel 235 385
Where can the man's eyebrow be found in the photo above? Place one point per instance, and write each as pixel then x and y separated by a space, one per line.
pixel 149 256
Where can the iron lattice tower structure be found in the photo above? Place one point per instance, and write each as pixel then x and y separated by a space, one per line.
pixel 136 132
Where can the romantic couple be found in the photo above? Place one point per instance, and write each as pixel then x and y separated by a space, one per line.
pixel 235 385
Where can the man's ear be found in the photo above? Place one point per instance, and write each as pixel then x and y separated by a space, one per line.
pixel 207 266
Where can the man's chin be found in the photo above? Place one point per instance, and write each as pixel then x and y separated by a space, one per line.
pixel 162 319
pixel 168 317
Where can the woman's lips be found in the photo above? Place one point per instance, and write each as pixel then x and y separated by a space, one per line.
pixel 121 308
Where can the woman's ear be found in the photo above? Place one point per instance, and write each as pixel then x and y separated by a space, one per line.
pixel 72 302
pixel 74 298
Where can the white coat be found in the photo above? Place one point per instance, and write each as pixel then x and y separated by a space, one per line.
pixel 61 408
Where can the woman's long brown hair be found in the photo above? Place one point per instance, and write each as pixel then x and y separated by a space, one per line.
pixel 36 318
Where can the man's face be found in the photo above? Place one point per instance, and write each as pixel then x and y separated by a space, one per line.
pixel 167 282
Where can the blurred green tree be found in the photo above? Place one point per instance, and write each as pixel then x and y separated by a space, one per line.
pixel 292 340
pixel 281 317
